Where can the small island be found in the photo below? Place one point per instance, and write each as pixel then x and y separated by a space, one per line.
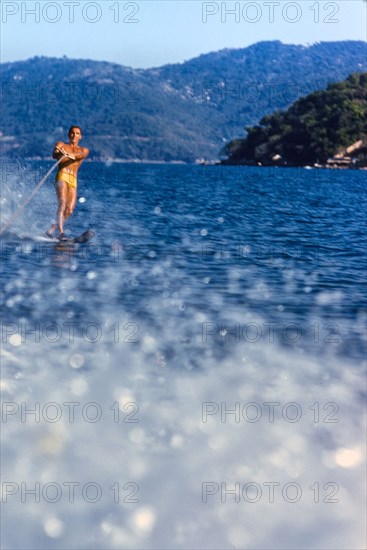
pixel 323 129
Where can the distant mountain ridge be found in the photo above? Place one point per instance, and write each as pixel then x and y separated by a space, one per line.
pixel 177 112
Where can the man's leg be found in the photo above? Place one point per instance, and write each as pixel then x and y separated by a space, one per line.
pixel 70 202
pixel 61 191
pixel 66 197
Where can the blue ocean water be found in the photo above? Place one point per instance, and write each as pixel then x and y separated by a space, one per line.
pixel 204 286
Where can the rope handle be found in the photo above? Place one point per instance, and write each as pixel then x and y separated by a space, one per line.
pixel 66 155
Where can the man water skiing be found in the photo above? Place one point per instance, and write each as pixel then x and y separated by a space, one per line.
pixel 66 177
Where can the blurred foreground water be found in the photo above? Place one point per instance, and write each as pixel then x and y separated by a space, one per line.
pixel 196 373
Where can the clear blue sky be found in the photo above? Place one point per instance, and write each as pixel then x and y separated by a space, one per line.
pixel 151 33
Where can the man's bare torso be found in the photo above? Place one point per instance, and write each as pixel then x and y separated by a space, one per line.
pixel 69 165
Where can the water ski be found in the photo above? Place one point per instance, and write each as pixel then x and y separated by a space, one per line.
pixel 80 239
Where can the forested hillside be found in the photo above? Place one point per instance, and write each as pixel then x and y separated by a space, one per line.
pixel 180 112
pixel 311 130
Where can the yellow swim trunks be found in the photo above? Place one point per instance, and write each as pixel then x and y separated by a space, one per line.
pixel 67 177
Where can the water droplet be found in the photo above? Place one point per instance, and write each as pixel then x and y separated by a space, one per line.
pixel 15 340
pixel 76 361
pixel 79 386
pixel 53 527
pixel 149 343
pixel 348 458
pixel 177 441
pixel 144 518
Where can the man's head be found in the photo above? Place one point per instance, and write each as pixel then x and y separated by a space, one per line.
pixel 74 133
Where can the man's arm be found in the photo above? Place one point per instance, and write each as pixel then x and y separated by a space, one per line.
pixel 82 155
pixel 59 151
